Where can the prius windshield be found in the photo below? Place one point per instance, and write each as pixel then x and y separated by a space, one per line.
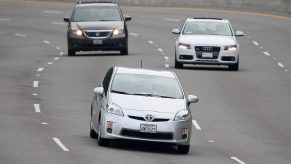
pixel 96 13
pixel 207 28
pixel 146 85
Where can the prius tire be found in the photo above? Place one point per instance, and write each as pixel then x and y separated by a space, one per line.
pixel 183 149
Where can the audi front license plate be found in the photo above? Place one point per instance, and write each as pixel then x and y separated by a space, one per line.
pixel 207 55
pixel 148 128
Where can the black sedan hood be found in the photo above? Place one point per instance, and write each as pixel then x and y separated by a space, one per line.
pixel 100 25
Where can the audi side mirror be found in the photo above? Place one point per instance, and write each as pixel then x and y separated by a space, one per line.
pixel 99 90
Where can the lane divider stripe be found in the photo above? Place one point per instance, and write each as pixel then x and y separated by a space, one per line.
pixel 37 108
pixel 280 65
pixel 195 123
pixel 61 145
pixel 35 84
pixel 267 53
pixel 237 160
pixel 40 69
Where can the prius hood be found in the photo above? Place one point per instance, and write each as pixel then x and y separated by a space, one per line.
pixel 211 40
pixel 144 103
pixel 98 25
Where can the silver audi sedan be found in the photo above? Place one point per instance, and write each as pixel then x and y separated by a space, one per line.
pixel 141 104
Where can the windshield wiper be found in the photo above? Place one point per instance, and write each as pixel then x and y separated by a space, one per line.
pixel 153 95
pixel 120 92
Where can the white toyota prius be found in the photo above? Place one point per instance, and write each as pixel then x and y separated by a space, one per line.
pixel 144 105
pixel 207 41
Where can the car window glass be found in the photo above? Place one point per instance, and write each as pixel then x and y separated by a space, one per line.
pixel 96 13
pixel 146 84
pixel 207 28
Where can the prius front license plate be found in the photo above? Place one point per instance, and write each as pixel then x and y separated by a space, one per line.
pixel 97 42
pixel 148 128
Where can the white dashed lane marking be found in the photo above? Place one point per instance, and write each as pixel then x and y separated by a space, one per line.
pixel 37 108
pixel 61 54
pixel 35 84
pixel 151 42
pixel 133 34
pixel 172 20
pixel 167 65
pixel 195 123
pixel 44 123
pixel 4 19
pixel 161 50
pixel 211 141
pixel 255 43
pixel 47 42
pixel 59 23
pixel 267 53
pixel 237 160
pixel 35 94
pixel 40 69
pixel 50 63
pixel 58 48
pixel 20 35
pixel 61 145
pixel 52 12
pixel 280 65
pixel 56 58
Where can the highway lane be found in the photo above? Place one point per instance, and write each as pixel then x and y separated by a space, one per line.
pixel 243 116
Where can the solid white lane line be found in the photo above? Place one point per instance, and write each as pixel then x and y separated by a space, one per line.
pixel 52 12
pixel 56 58
pixel 151 42
pixel 37 108
pixel 61 145
pixel 280 65
pixel 59 23
pixel 50 63
pixel 20 35
pixel 47 42
pixel 40 69
pixel 267 53
pixel 5 19
pixel 161 50
pixel 35 84
pixel 133 34
pixel 255 43
pixel 172 20
pixel 237 160
pixel 195 123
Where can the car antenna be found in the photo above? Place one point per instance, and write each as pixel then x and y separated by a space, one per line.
pixel 140 63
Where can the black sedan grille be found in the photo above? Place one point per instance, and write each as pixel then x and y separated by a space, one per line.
pixel 97 34
pixel 207 49
pixel 137 134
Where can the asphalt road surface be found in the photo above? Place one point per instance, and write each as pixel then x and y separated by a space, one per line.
pixel 45 96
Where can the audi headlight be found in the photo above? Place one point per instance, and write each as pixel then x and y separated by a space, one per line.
pixel 182 115
pixel 114 109
pixel 117 31
pixel 76 31
pixel 230 48
pixel 184 46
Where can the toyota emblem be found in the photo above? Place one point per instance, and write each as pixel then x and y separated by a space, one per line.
pixel 149 117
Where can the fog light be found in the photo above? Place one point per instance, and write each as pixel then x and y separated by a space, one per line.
pixel 185 133
pixel 109 126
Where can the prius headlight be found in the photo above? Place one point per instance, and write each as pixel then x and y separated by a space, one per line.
pixel 230 47
pixel 184 46
pixel 114 109
pixel 76 31
pixel 182 115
